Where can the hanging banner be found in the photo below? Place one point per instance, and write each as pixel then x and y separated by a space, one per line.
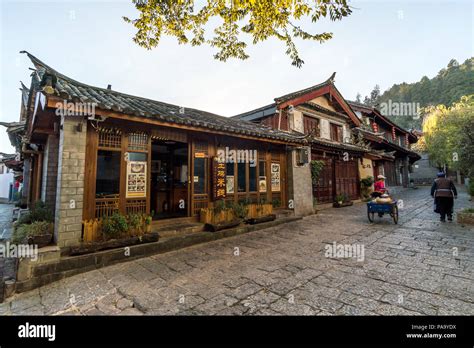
pixel 136 179
pixel 275 177
pixel 219 179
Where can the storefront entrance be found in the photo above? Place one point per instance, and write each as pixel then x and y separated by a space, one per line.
pixel 169 179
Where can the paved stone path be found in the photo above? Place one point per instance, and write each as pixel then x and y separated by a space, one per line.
pixel 420 266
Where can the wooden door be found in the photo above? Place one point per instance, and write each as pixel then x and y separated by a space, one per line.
pixel 347 178
pixel 323 190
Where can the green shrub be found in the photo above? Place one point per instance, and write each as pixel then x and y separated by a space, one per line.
pixel 276 203
pixel 367 182
pixel 240 210
pixel 114 226
pixel 219 206
pixel 36 228
pixel 39 212
pixel 468 210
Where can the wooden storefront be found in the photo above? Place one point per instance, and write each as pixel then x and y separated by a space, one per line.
pixel 125 160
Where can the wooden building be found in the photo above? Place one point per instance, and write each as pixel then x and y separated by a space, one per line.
pixel 390 144
pixel 325 119
pixel 96 151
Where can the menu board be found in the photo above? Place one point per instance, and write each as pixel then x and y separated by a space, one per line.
pixel 275 175
pixel 136 179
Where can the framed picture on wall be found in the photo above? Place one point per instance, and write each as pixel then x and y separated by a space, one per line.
pixel 230 184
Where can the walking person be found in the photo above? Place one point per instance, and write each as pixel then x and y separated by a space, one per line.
pixel 444 192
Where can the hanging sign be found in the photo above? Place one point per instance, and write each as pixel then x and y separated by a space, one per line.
pixel 219 179
pixel 136 179
pixel 275 175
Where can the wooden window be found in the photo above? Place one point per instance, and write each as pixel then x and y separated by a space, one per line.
pixel 311 125
pixel 110 138
pixel 253 177
pixel 108 174
pixel 241 177
pixel 336 132
pixel 138 141
pixel 200 175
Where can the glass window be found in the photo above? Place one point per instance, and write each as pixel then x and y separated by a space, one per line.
pixel 108 173
pixel 253 178
pixel 261 168
pixel 200 175
pixel 241 178
pixel 137 156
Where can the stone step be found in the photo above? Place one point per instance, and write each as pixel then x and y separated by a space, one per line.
pixel 178 229
pixel 283 213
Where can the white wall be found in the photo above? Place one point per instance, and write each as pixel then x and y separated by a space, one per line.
pixel 5 181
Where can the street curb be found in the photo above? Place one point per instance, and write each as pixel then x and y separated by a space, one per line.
pixel 71 265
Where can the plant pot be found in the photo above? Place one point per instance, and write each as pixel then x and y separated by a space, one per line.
pixel 222 225
pixel 40 240
pixel 342 204
pixel 258 220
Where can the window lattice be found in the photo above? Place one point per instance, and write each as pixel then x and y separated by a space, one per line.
pixel 136 206
pixel 138 141
pixel 110 137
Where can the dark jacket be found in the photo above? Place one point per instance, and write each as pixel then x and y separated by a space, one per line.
pixel 443 187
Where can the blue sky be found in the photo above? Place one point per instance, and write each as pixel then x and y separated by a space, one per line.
pixel 381 43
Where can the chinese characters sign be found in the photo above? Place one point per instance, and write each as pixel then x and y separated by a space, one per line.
pixel 275 176
pixel 219 179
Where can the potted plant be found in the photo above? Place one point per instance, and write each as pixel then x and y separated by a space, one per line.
pixel 219 216
pixel 365 185
pixel 39 233
pixel 342 200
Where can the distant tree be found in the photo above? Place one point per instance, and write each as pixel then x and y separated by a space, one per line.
pixel 449 135
pixel 358 98
pixel 261 19
pixel 374 96
pixel 446 88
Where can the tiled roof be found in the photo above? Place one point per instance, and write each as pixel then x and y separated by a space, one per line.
pixel 106 99
pixel 301 92
pixel 336 145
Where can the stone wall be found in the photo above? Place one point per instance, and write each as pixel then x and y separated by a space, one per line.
pixel 300 186
pixel 70 183
pixel 50 171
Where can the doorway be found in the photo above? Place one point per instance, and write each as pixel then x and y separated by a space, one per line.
pixel 169 179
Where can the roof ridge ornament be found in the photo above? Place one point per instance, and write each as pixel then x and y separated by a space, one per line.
pixel 332 78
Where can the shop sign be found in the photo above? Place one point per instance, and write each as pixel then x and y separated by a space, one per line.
pixel 219 179
pixel 275 176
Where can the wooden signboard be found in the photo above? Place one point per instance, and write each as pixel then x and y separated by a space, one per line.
pixel 219 179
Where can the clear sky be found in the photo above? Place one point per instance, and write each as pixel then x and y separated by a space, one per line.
pixel 381 43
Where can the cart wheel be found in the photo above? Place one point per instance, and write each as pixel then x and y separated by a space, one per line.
pixel 370 216
pixel 395 214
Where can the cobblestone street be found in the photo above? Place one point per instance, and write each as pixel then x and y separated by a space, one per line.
pixel 420 266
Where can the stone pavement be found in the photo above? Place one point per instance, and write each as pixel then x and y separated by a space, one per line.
pixel 420 266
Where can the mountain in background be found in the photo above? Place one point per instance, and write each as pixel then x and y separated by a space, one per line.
pixel 447 87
